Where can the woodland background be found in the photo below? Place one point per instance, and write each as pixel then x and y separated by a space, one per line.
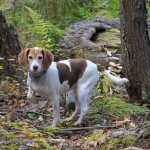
pixel 42 23
pixel 113 122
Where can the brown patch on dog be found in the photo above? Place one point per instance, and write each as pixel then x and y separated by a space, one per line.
pixel 35 52
pixel 23 58
pixel 77 69
pixel 47 58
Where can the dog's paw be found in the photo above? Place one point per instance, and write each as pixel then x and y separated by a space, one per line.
pixel 29 96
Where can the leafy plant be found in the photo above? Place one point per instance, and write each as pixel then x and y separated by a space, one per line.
pixel 84 13
pixel 107 8
pixel 42 23
pixel 46 33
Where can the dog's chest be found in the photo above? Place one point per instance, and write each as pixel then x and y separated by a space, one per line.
pixel 40 87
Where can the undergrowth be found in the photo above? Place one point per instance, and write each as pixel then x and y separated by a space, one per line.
pixel 114 108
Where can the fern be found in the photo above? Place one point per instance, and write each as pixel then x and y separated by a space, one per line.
pixel 46 33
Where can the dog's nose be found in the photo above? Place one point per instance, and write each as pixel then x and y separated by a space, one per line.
pixel 35 67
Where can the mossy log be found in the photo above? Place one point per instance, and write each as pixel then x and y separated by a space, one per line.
pixel 90 37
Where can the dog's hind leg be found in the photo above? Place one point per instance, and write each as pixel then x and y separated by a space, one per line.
pixel 77 108
pixel 83 99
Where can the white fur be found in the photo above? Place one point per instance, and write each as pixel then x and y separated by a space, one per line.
pixel 50 87
pixel 116 80
pixel 37 63
pixel 66 62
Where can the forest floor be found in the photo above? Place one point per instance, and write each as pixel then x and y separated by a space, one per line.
pixel 112 122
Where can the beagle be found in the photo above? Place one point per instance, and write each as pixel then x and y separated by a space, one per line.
pixel 51 79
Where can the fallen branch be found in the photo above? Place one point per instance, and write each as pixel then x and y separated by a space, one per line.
pixel 133 148
pixel 75 130
pixel 88 128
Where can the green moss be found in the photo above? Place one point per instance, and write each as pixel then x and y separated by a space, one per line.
pixel 110 144
pixel 113 108
pixel 127 140
pixel 146 133
pixel 95 136
pixel 117 143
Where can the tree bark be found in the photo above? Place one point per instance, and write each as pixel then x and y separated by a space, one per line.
pixel 135 48
pixel 9 48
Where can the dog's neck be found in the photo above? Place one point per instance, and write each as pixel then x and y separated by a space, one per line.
pixel 37 77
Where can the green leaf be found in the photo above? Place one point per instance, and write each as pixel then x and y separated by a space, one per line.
pixel 10 135
pixel 105 88
pixel 15 125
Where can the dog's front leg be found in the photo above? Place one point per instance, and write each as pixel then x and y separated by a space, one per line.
pixel 31 96
pixel 56 112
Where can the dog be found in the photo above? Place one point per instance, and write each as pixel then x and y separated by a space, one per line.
pixel 51 79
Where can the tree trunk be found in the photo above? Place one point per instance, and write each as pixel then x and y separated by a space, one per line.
pixel 136 48
pixel 9 48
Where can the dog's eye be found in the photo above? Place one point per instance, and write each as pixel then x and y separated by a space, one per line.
pixel 40 57
pixel 30 57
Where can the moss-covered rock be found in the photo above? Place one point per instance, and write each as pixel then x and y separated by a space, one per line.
pixel 113 108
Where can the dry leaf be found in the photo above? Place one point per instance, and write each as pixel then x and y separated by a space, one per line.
pixel 132 124
pixel 109 53
pixel 112 64
pixel 113 51
pixel 114 69
pixel 40 118
pixel 120 123
pixel 106 49
pixel 119 67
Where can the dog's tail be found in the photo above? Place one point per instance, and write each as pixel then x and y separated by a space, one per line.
pixel 116 80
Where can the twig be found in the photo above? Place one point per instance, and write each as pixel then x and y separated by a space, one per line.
pixel 87 128
pixel 69 131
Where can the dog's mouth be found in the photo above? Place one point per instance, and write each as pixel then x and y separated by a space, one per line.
pixel 35 74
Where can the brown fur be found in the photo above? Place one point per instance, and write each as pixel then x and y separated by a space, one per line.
pixel 48 58
pixel 23 58
pixel 77 69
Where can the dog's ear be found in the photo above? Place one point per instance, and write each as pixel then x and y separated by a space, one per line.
pixel 23 58
pixel 47 58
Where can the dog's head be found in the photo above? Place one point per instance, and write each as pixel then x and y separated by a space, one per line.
pixel 35 59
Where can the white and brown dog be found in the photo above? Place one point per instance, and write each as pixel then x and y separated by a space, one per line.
pixel 51 79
